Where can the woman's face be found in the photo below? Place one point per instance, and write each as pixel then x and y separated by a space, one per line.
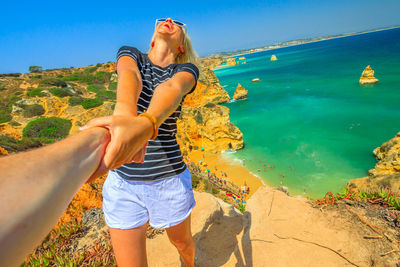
pixel 171 31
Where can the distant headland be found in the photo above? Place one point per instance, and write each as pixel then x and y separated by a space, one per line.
pixel 293 43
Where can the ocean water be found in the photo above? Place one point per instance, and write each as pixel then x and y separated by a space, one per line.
pixel 308 120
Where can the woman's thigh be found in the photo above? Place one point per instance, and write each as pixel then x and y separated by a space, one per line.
pixel 130 246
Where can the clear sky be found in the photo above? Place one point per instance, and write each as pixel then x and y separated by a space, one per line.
pixel 56 34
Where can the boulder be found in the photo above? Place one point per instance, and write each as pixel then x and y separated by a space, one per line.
pixel 255 80
pixel 240 92
pixel 367 76
pixel 273 58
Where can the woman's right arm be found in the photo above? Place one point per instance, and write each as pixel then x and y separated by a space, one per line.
pixel 129 87
pixel 125 146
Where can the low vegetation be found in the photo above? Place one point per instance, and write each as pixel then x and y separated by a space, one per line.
pixel 88 103
pixel 15 145
pixel 61 92
pixel 50 128
pixel 35 92
pixel 32 110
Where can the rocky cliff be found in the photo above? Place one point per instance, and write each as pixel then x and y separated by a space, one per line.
pixel 208 90
pixel 386 172
pixel 80 94
pixel 208 127
pixel 275 230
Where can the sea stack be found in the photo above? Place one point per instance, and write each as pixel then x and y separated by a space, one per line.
pixel 273 58
pixel 255 80
pixel 240 92
pixel 367 76
pixel 231 61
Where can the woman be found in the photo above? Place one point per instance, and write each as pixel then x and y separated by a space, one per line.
pixel 155 185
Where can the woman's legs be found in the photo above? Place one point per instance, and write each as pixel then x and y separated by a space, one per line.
pixel 130 246
pixel 181 237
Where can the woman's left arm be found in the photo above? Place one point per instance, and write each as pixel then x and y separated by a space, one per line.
pixel 168 95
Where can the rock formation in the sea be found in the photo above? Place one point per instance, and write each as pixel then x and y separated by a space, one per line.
pixel 208 90
pixel 242 58
pixel 386 171
pixel 367 76
pixel 255 80
pixel 273 58
pixel 231 61
pixel 208 127
pixel 240 92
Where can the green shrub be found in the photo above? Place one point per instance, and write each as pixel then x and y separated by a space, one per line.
pixel 113 86
pixel 54 82
pixel 99 65
pixel 51 128
pixel 37 77
pixel 2 87
pixel 103 77
pixel 60 76
pixel 35 69
pixel 88 103
pixel 83 77
pixel 14 145
pixel 32 110
pixel 35 92
pixel 75 100
pixel 91 69
pixel 5 116
pixel 60 92
pixel 106 95
pixel 95 87
pixel 14 123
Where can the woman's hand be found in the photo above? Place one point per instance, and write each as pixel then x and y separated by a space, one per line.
pixel 129 137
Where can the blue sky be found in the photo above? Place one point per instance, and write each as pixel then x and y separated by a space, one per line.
pixel 56 34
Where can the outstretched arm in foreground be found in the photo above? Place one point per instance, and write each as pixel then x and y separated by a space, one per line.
pixel 37 186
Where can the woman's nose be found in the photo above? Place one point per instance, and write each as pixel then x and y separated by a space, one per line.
pixel 169 20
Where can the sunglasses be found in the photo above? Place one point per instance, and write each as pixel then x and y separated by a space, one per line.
pixel 178 23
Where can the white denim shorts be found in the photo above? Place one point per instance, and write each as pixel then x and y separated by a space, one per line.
pixel 165 203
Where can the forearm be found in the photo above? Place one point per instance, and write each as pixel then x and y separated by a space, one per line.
pixel 37 186
pixel 128 91
pixel 165 101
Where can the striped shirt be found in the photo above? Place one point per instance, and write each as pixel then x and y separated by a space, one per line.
pixel 163 157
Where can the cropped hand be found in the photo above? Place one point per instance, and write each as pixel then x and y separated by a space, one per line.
pixel 129 137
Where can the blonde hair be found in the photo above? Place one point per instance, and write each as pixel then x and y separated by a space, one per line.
pixel 189 55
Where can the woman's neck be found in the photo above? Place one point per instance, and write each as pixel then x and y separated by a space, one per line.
pixel 162 54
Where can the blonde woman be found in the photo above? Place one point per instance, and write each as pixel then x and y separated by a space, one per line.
pixel 152 186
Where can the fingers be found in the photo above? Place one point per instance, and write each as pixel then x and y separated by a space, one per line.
pixel 99 122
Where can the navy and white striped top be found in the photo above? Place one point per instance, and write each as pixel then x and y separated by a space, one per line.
pixel 163 158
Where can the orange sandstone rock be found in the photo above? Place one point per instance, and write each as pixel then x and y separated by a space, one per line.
pixel 367 76
pixel 240 92
pixel 273 58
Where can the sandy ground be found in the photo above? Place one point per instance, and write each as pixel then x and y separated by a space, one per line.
pixel 235 172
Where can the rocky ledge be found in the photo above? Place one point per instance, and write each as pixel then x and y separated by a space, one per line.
pixel 386 172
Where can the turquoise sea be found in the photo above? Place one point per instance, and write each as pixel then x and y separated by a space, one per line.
pixel 309 117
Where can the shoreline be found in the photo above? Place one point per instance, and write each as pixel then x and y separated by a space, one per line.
pixel 306 42
pixel 235 172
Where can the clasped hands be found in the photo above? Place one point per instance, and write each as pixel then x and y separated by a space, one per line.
pixel 129 136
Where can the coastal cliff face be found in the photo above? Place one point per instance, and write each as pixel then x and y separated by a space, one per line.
pixel 208 90
pixel 386 172
pixel 203 123
pixel 208 127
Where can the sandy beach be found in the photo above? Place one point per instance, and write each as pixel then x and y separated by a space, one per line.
pixel 235 172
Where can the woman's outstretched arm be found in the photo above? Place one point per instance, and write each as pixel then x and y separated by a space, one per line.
pixel 37 186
